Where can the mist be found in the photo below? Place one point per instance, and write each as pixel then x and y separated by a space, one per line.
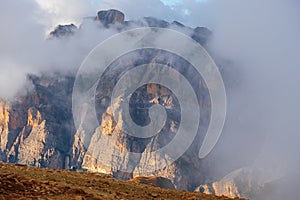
pixel 259 38
pixel 262 40
pixel 26 47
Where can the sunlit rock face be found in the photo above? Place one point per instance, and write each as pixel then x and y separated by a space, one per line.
pixel 4 128
pixel 229 189
pixel 142 164
pixel 253 183
pixel 37 129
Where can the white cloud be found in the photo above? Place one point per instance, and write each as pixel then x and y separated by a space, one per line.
pixel 64 11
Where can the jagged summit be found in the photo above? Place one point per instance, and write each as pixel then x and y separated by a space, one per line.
pixel 116 19
pixel 64 30
pixel 112 16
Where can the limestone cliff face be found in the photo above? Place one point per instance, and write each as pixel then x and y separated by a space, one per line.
pixel 145 163
pixel 36 128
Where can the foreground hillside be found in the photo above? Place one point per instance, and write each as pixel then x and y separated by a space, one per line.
pixel 23 182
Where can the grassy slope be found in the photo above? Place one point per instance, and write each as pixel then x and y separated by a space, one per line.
pixel 22 182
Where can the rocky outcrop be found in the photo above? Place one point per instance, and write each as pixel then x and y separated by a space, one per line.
pixel 228 189
pixel 64 31
pixel 154 22
pixel 109 17
pixel 201 35
pixel 153 180
pixel 249 183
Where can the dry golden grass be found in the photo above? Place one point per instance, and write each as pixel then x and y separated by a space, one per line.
pixel 23 182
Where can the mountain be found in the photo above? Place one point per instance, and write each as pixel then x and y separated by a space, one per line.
pixel 37 129
pixel 108 17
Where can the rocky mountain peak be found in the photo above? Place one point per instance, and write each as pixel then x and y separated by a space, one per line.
pixel 112 16
pixel 64 31
pixel 154 22
pixel 201 34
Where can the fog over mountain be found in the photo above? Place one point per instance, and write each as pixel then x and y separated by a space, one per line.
pixel 257 43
